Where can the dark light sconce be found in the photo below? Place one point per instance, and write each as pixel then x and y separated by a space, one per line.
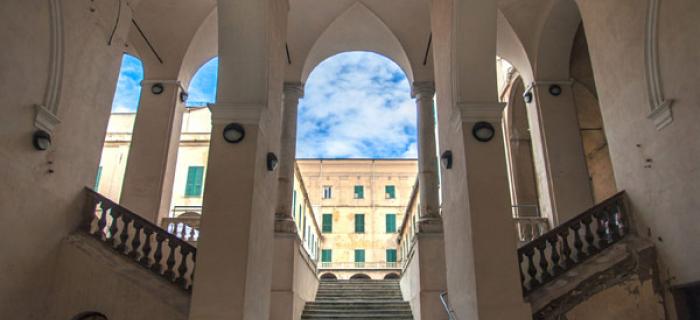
pixel 483 131
pixel 183 96
pixel 555 90
pixel 157 88
pixel 271 161
pixel 234 133
pixel 527 97
pixel 446 159
pixel 41 140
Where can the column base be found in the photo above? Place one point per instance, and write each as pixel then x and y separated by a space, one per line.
pixel 284 225
pixel 430 225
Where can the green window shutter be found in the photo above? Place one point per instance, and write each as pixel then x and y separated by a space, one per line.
pixel 390 192
pixel 359 255
pixel 98 177
pixel 326 255
pixel 359 192
pixel 195 176
pixel 390 255
pixel 390 223
pixel 327 223
pixel 359 223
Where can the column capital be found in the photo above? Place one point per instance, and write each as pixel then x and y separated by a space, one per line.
pixel 244 113
pixel 293 90
pixel 481 111
pixel 423 89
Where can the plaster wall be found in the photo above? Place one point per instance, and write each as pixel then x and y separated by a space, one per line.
pixel 632 299
pixel 92 277
pixel 294 280
pixel 657 168
pixel 423 279
pixel 41 192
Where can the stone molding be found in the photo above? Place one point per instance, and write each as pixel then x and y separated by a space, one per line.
pixel 243 113
pixel 481 111
pixel 660 108
pixel 293 90
pixel 423 90
pixel 47 114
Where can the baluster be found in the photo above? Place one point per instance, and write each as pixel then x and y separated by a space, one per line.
pixel 157 267
pixel 193 254
pixel 601 232
pixel 115 213
pixel 102 222
pixel 192 234
pixel 531 270
pixel 565 249
pixel 124 235
pixel 544 264
pixel 170 262
pixel 578 244
pixel 182 269
pixel 613 223
pixel 136 241
pixel 590 244
pixel 520 269
pixel 146 250
pixel 556 267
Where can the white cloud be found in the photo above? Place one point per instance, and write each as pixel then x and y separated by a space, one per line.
pixel 357 105
pixel 128 91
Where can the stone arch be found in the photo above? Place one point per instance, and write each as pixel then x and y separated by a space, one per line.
pixel 329 276
pixel 392 275
pixel 357 29
pixel 552 56
pixel 202 49
pixel 511 48
pixel 360 276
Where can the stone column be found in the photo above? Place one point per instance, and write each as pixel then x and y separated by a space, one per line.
pixel 430 220
pixel 283 214
pixel 150 167
pixel 560 164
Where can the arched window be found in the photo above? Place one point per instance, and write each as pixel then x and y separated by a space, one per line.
pixel 329 276
pixel 128 90
pixel 90 315
pixel 392 275
pixel 202 90
pixel 360 276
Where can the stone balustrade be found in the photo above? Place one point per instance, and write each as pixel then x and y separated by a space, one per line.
pixel 142 241
pixel 529 228
pixel 571 243
pixel 382 265
pixel 184 226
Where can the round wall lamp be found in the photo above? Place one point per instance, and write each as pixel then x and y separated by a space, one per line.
pixel 157 88
pixel 555 90
pixel 183 96
pixel 527 97
pixel 271 161
pixel 41 140
pixel 446 159
pixel 234 133
pixel 483 131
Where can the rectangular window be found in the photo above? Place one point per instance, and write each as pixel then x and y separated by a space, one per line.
pixel 359 192
pixel 390 192
pixel 359 223
pixel 326 255
pixel 195 175
pixel 294 204
pixel 390 255
pixel 390 222
pixel 327 192
pixel 98 177
pixel 359 255
pixel 327 224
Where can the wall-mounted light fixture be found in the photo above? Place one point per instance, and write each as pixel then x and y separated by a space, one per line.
pixel 157 88
pixel 527 97
pixel 483 131
pixel 184 95
pixel 41 140
pixel 446 159
pixel 234 133
pixel 555 90
pixel 271 161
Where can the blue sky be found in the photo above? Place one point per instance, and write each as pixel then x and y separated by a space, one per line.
pixel 356 105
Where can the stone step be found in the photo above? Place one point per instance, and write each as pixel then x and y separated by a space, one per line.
pixel 358 299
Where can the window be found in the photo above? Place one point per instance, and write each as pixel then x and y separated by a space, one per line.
pixel 390 192
pixel 390 222
pixel 195 175
pixel 359 223
pixel 359 255
pixel 97 178
pixel 294 204
pixel 327 192
pixel 326 255
pixel 327 224
pixel 359 192
pixel 390 255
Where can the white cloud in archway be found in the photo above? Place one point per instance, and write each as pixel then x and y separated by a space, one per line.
pixel 357 105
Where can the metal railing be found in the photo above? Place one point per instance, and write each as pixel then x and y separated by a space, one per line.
pixel 359 265
pixel 450 313
pixel 529 228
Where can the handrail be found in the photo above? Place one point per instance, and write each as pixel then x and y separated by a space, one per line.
pixel 450 313
pixel 550 255
pixel 139 239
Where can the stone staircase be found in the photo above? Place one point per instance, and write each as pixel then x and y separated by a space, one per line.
pixel 358 299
